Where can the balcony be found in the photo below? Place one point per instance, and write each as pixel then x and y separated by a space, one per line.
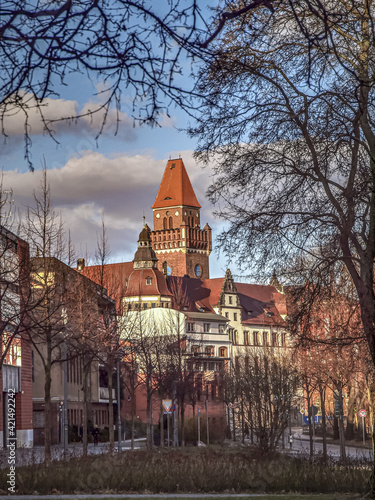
pixel 104 395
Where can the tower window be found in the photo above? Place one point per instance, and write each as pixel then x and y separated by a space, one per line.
pixel 148 280
pixel 164 223
pixel 170 223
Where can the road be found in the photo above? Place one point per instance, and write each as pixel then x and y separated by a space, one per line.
pixel 301 445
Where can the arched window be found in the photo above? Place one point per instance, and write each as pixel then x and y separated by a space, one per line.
pixel 170 223
pixel 164 223
pixel 223 352
pixel 148 280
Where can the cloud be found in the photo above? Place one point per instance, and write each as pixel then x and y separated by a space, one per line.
pixel 61 116
pixel 121 187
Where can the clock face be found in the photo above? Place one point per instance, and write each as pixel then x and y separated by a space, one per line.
pixel 198 271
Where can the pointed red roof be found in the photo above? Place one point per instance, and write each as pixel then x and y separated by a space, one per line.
pixel 175 187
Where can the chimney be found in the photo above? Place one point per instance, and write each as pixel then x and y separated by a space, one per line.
pixel 80 265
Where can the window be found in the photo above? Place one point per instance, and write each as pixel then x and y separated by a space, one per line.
pixel 209 350
pixel 256 338
pixel 265 338
pixel 222 328
pixel 283 339
pixel 274 339
pixel 145 305
pixel 235 316
pixel 164 223
pixel 191 327
pixel 230 299
pixel 148 280
pixel 170 223
pixel 223 352
pixel 207 327
pixel 227 315
pixel 195 349
pixel 246 337
pixel 153 304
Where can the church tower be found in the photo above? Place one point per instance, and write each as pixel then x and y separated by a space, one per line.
pixel 181 246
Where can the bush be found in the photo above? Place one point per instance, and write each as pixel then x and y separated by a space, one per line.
pixel 192 470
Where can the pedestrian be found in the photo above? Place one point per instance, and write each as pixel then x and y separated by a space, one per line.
pixel 95 434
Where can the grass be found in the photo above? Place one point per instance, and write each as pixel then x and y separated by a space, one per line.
pixel 292 496
pixel 195 470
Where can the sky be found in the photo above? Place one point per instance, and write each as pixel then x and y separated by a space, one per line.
pixel 116 176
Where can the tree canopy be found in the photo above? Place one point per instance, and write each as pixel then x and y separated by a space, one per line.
pixel 288 124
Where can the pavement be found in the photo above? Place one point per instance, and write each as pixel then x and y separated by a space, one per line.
pixel 301 445
pixel 35 455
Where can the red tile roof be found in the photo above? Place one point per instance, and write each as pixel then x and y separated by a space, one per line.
pixel 175 187
pixel 261 304
pixel 137 283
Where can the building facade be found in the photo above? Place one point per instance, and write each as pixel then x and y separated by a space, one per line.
pixel 16 369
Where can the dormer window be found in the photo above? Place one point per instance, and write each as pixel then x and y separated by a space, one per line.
pixel 148 280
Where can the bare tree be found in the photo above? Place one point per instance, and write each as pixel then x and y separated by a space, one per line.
pixel 265 384
pixel 288 119
pixel 130 45
pixel 43 230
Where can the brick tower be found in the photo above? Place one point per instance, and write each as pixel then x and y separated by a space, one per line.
pixel 181 246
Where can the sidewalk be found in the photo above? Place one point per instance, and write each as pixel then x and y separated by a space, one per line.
pixel 35 455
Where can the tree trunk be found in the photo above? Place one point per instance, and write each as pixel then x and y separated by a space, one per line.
pixel 84 411
pixel 349 431
pixel 182 408
pixel 341 425
pixel 148 411
pixel 47 412
pixel 133 420
pixel 161 423
pixel 110 408
pixel 322 393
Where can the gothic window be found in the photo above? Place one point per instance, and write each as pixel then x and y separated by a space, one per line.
pixel 164 223
pixel 170 223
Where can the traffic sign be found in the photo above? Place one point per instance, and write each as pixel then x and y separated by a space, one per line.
pixel 302 411
pixel 167 405
pixel 362 413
